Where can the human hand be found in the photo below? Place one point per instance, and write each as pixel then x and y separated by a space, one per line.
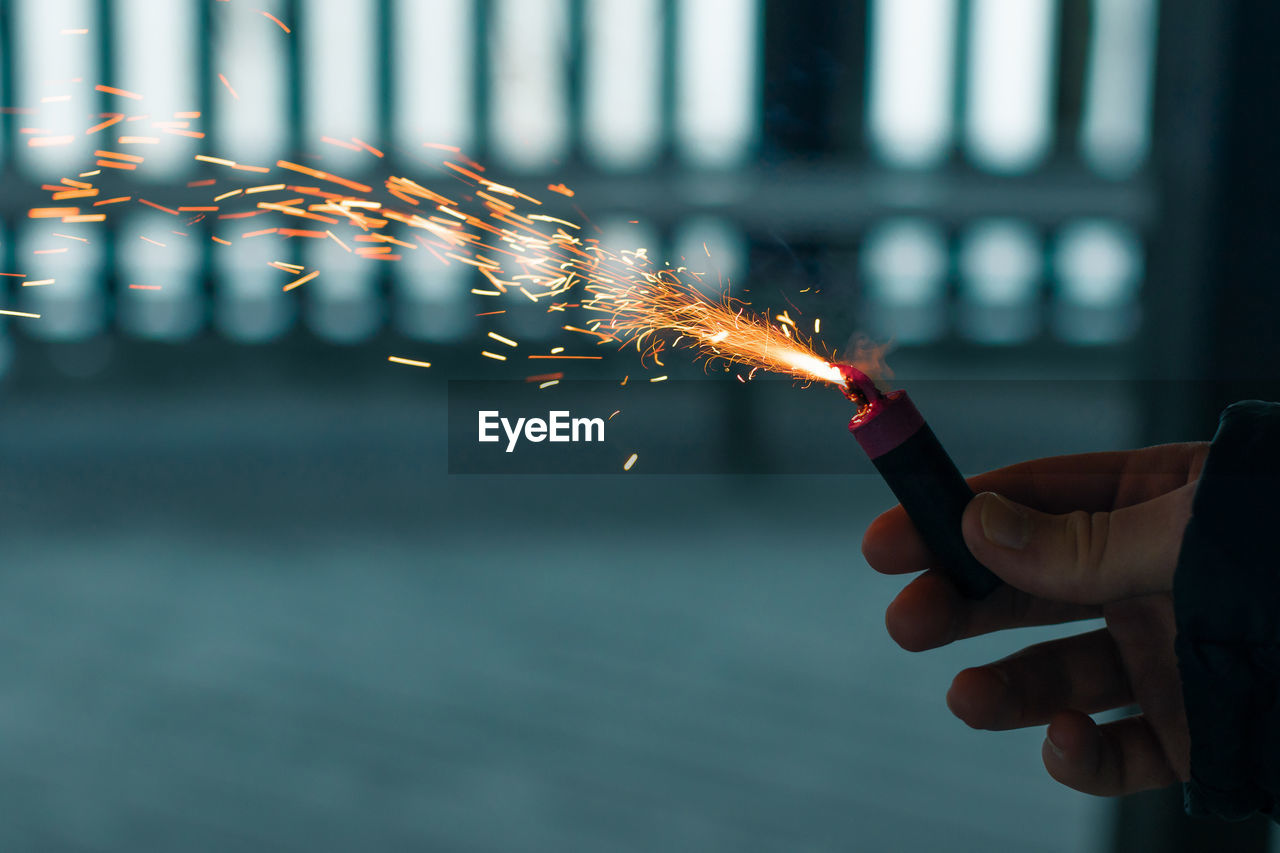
pixel 1102 541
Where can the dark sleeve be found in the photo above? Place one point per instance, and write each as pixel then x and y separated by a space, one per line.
pixel 1227 606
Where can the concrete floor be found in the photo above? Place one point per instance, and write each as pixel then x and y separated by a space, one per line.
pixel 280 626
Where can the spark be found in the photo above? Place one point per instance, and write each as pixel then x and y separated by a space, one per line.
pixel 19 314
pixel 631 460
pixel 500 339
pixel 230 88
pixel 301 281
pixel 39 283
pixel 43 141
pixel 336 240
pixel 409 361
pixel 113 155
pixel 493 355
pixel 159 207
pixel 571 357
pixel 112 118
pixel 324 176
pixel 273 18
pixel 123 93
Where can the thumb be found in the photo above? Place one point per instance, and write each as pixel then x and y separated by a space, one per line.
pixel 1081 557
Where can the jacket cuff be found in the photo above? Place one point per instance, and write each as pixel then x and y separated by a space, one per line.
pixel 1226 596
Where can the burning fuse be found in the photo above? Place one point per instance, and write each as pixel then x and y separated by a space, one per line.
pixel 921 475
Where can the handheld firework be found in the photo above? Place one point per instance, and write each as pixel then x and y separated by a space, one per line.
pixel 921 475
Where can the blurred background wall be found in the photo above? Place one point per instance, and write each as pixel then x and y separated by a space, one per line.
pixel 245 606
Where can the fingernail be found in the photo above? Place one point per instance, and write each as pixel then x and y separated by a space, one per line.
pixel 1053 747
pixel 1004 523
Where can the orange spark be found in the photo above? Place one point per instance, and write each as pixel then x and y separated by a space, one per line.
pixel 277 21
pixel 301 281
pixel 409 361
pixel 324 176
pixel 230 89
pixel 112 90
pixel 43 141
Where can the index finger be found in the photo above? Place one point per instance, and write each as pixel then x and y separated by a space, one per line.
pixel 1055 484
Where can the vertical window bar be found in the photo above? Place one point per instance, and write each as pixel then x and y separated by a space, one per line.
pixel 296 79
pixel 575 106
pixel 1074 26
pixel 528 110
pixel 849 122
pixel 7 288
pixel 437 67
pixel 106 35
pixel 667 127
pixel 718 62
pixel 49 64
pixel 254 125
pixel 622 83
pixel 1116 129
pixel 149 51
pixel 385 83
pixel 482 87
pixel 813 55
pixel 912 80
pixel 7 91
pixel 206 79
pixel 339 80
pixel 385 87
pixel 1010 66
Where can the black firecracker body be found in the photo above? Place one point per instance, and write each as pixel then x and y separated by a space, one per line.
pixel 934 495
